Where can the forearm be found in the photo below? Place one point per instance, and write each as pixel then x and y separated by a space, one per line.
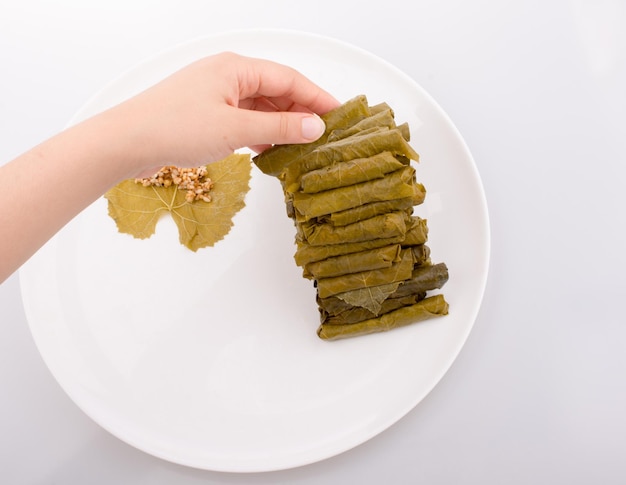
pixel 41 190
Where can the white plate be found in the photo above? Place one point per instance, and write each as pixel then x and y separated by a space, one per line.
pixel 211 359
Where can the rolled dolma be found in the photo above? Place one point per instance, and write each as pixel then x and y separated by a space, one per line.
pixel 384 118
pixel 274 160
pixel 361 212
pixel 354 262
pixel 385 226
pixel 424 278
pixel 333 305
pixel 371 297
pixel 417 234
pixel 305 253
pixel 358 314
pixel 366 211
pixel 349 173
pixel 357 146
pixel 396 185
pixel 427 308
pixel 399 271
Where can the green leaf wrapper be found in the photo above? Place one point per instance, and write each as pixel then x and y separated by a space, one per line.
pixel 353 147
pixel 423 279
pixel 349 173
pixel 366 211
pixel 356 314
pixel 354 262
pixel 387 225
pixel 427 308
pixel 399 271
pixel 274 160
pixel 306 253
pixel 396 185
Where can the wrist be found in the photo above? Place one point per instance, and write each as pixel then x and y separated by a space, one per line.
pixel 119 139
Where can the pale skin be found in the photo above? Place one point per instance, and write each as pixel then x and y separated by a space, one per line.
pixel 198 115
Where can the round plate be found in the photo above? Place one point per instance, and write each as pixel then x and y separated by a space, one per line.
pixel 211 359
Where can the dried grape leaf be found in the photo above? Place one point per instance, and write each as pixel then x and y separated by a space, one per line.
pixel 361 145
pixel 136 209
pixel 274 160
pixel 384 117
pixel 430 307
pixel 399 271
pixel 387 225
pixel 305 253
pixel 396 185
pixel 349 173
pixel 371 298
pixel 358 314
pixel 354 262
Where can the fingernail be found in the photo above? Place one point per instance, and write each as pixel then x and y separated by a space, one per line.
pixel 312 127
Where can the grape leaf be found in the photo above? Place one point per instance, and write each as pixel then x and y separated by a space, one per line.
pixel 399 271
pixel 371 297
pixel 137 209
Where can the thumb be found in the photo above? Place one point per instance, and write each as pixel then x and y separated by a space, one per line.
pixel 279 128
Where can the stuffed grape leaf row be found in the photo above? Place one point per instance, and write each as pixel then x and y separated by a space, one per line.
pixel 351 195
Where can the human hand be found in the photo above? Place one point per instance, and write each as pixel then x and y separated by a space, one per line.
pixel 198 115
pixel 219 104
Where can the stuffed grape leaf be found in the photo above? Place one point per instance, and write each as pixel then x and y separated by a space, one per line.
pixel 397 185
pixel 354 262
pixel 274 160
pixel 137 209
pixel 399 271
pixel 370 297
pixel 349 173
pixel 430 307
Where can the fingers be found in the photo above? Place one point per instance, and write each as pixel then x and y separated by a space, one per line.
pixel 225 102
pixel 288 89
pixel 281 102
pixel 259 129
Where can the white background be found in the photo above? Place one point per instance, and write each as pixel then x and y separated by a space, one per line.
pixel 538 393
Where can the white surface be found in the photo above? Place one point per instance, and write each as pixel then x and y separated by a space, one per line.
pixel 220 367
pixel 536 88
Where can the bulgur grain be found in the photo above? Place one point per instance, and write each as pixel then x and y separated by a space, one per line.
pixel 192 180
